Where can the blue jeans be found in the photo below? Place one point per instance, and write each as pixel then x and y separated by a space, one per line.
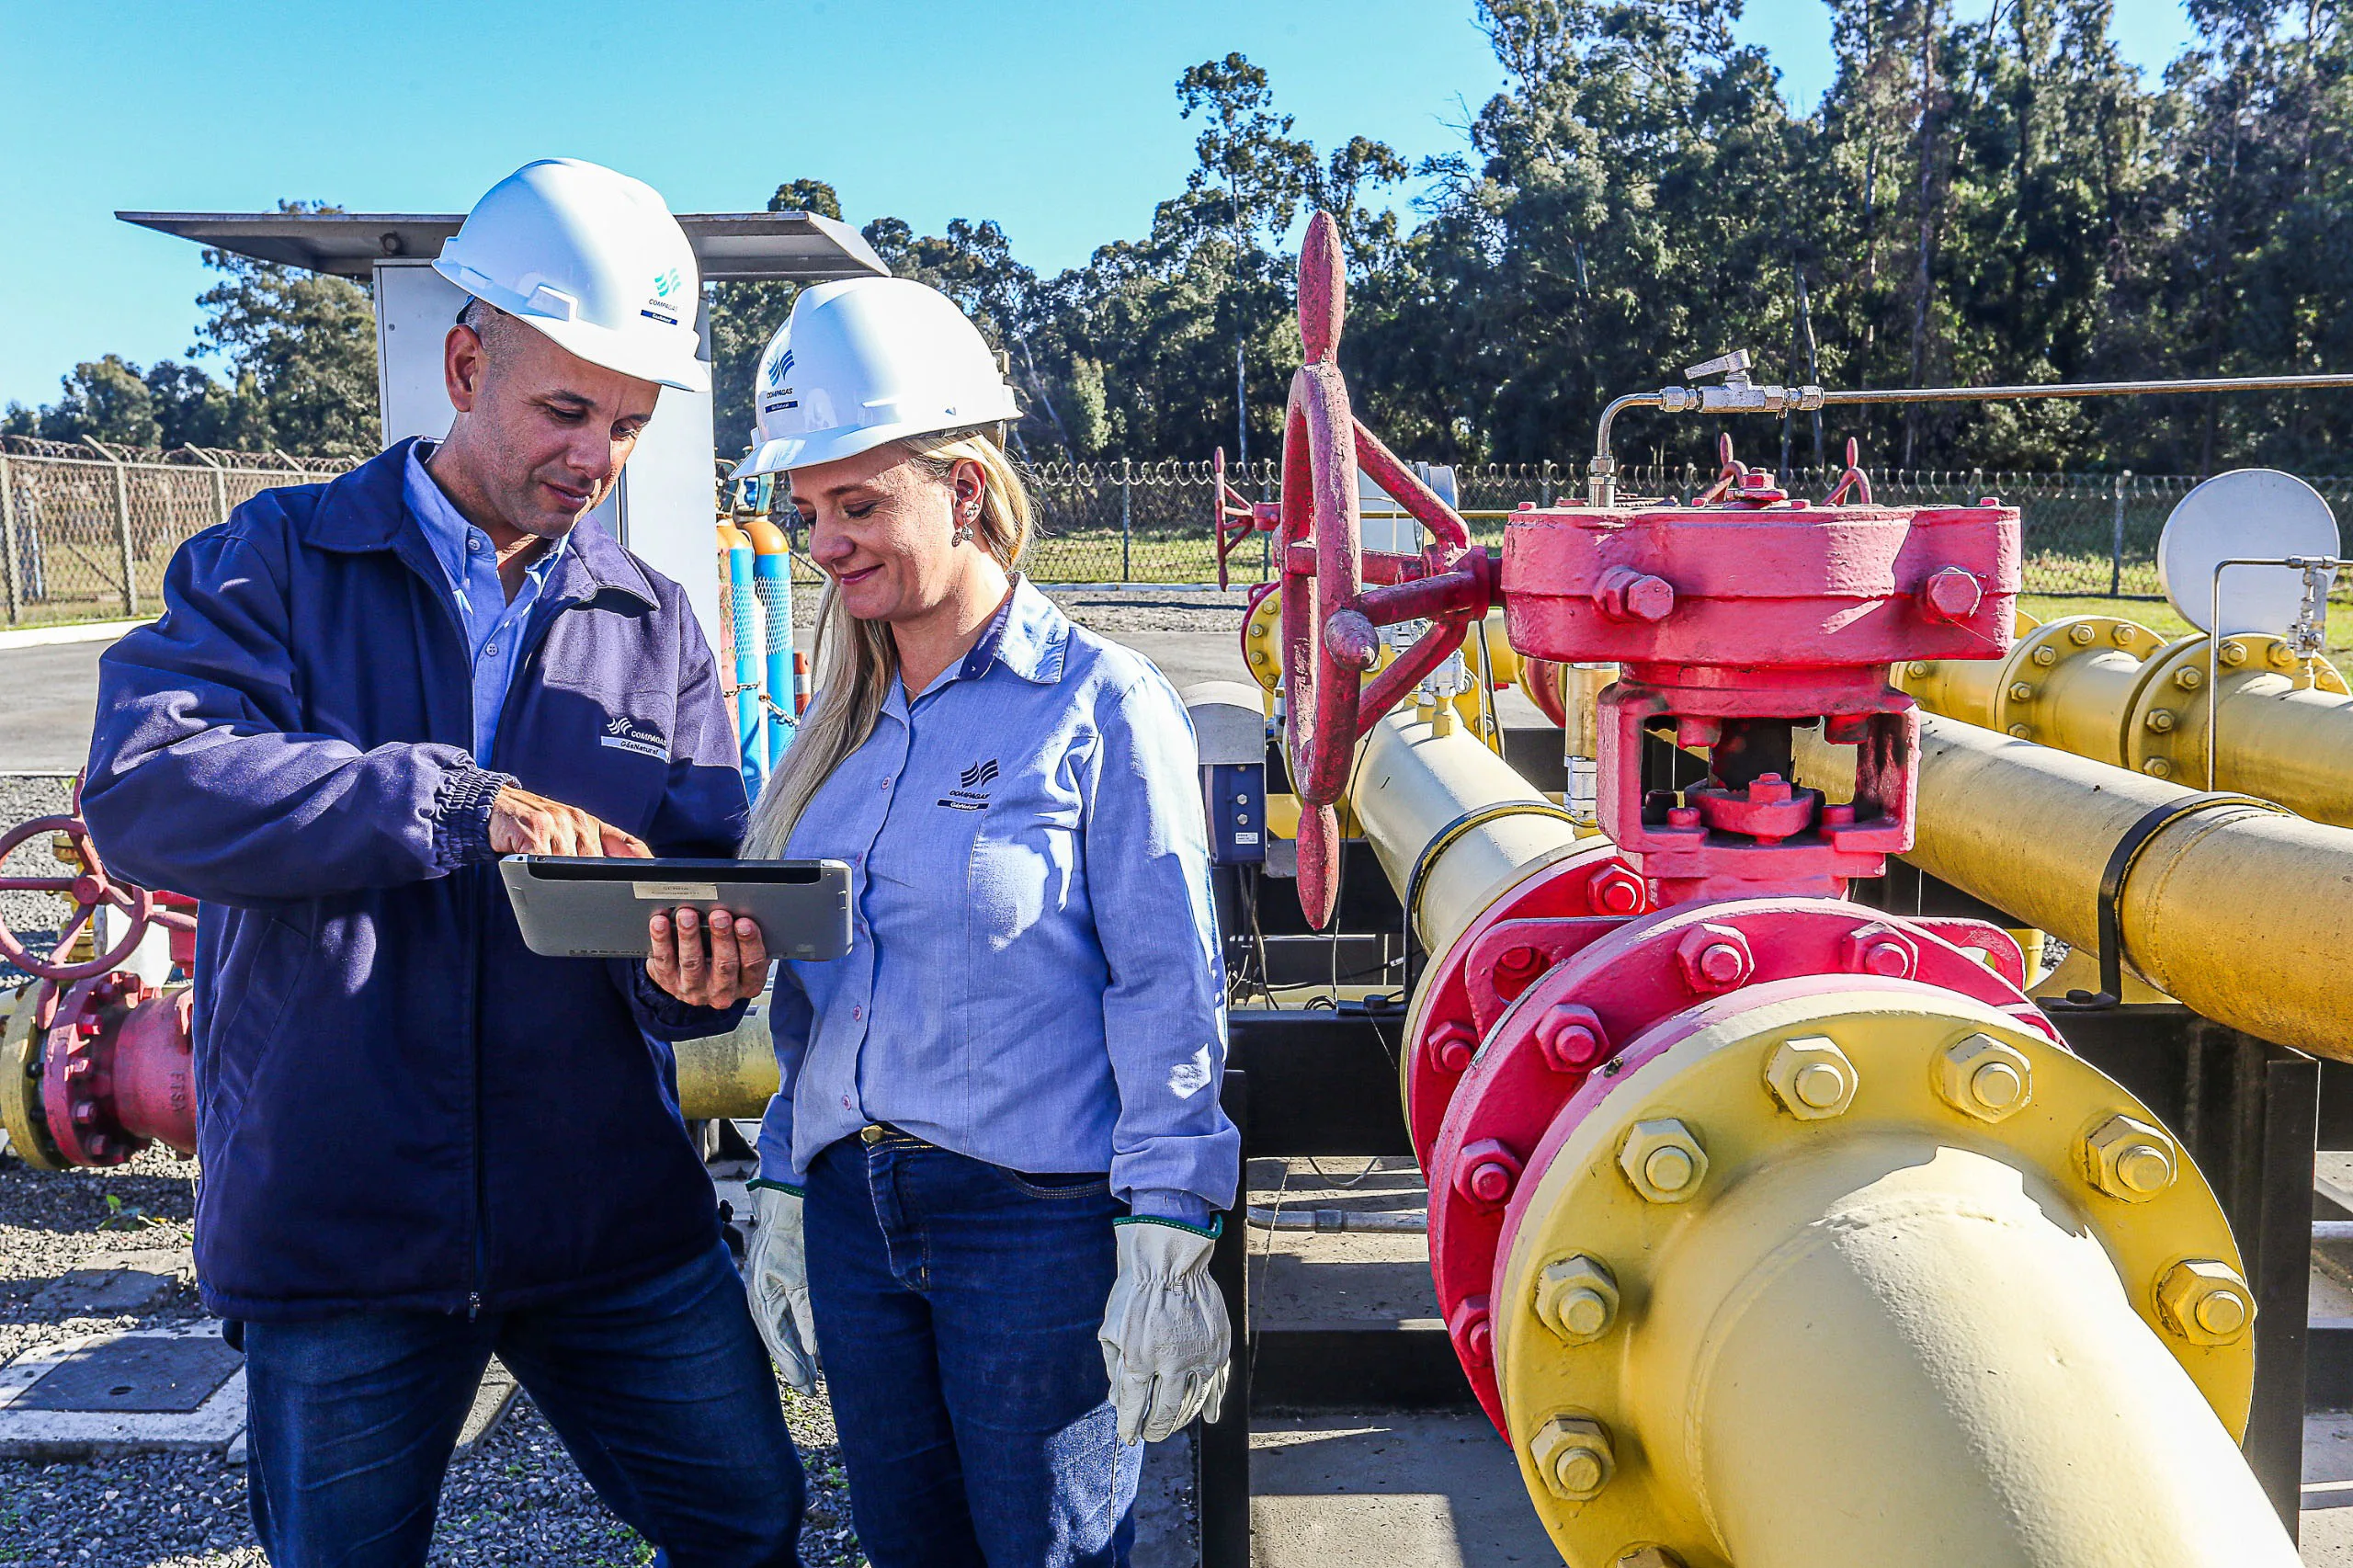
pixel 956 1305
pixel 661 1391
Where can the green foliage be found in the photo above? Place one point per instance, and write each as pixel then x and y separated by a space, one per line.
pixel 307 340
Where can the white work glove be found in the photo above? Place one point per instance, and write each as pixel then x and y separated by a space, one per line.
pixel 776 1278
pixel 1166 1338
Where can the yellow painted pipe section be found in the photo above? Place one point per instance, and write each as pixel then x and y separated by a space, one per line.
pixel 731 1075
pixel 1415 781
pixel 2242 914
pixel 2109 690
pixel 1883 1333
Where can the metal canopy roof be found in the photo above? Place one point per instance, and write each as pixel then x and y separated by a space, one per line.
pixel 799 247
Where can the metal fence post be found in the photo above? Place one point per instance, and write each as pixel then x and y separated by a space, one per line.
pixel 122 537
pixel 8 534
pixel 1544 484
pixel 2116 539
pixel 1127 487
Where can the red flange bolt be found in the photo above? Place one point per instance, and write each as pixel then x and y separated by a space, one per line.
pixel 1472 1331
pixel 1625 594
pixel 1615 891
pixel 1714 958
pixel 1571 1036
pixel 1486 1172
pixel 1453 1045
pixel 1950 595
pixel 1881 949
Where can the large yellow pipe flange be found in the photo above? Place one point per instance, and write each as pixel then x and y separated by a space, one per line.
pixel 2164 725
pixel 1962 687
pixel 20 1109
pixel 1985 1253
pixel 734 1075
pixel 2068 683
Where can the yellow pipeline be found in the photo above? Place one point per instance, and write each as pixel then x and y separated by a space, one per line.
pixel 2242 914
pixel 1889 1331
pixel 731 1074
pixel 2111 690
pixel 1451 823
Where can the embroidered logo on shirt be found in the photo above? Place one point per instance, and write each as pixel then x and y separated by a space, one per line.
pixel 625 734
pixel 972 793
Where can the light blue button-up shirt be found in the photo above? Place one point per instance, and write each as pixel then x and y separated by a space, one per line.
pixel 494 624
pixel 1035 979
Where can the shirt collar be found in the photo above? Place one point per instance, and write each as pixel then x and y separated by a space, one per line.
pixel 1029 636
pixel 446 528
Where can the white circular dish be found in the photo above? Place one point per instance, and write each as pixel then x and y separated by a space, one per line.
pixel 2255 512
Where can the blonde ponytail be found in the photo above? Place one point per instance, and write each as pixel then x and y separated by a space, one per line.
pixel 856 660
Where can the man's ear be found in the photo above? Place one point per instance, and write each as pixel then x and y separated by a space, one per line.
pixel 464 361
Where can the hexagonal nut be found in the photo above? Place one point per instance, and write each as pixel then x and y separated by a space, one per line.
pixel 1648 1556
pixel 1811 1078
pixel 2205 1301
pixel 1880 949
pixel 1453 1044
pixel 1714 958
pixel 2130 1160
pixel 1572 1457
pixel 1571 1038
pixel 1576 1298
pixel 1984 1077
pixel 1662 1160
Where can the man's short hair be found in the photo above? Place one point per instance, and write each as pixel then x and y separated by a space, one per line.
pixel 485 321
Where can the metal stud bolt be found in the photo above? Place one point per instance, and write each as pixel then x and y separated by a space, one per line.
pixel 2021 691
pixel 2046 655
pixel 2233 653
pixel 2157 768
pixel 2190 677
pixel 2130 1160
pixel 1486 1172
pixel 1453 1044
pixel 1572 1457
pixel 1662 1160
pixel 1984 1077
pixel 2079 635
pixel 1810 1078
pixel 2124 635
pixel 2205 1301
pixel 2160 721
pixel 1576 1298
pixel 1571 1036
pixel 2021 731
pixel 1714 958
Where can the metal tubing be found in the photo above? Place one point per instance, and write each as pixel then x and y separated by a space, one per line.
pixel 1895 1354
pixel 1413 786
pixel 731 1075
pixel 2240 913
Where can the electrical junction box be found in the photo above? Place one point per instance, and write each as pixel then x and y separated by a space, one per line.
pixel 1230 734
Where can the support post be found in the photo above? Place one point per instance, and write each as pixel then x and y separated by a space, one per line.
pixel 2116 539
pixel 8 537
pixel 2278 1268
pixel 1221 1447
pixel 1127 486
pixel 122 536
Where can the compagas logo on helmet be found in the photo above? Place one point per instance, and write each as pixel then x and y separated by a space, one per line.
pixel 659 308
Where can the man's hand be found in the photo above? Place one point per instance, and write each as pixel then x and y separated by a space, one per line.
pixel 731 967
pixel 525 823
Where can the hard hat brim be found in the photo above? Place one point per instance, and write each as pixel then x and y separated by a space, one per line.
pixel 788 452
pixel 625 352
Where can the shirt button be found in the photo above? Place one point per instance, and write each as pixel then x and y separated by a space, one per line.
pixel 473 541
pixel 886 783
pixel 857 1013
pixel 490 651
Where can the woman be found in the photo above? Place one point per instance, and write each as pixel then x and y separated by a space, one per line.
pixel 1001 1109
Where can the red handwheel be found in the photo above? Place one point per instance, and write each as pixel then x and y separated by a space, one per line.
pixel 1328 643
pixel 89 889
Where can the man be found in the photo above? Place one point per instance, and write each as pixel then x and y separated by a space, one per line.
pixel 421 1142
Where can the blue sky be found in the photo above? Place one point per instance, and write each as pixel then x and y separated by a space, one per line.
pixel 1055 117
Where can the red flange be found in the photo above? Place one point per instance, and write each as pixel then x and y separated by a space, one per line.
pixel 1561 1029
pixel 116 1069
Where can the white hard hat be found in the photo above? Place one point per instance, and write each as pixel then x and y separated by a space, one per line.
pixel 868 361
pixel 593 259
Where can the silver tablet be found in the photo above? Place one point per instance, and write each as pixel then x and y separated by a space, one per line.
pixel 583 908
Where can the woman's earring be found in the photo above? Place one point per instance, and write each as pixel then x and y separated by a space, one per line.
pixel 963 533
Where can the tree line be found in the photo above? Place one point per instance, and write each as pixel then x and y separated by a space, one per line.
pixel 2000 199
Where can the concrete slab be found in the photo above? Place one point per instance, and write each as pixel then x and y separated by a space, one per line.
pixel 1167 1527
pixel 117 1284
pixel 493 1400
pixel 130 1409
pixel 1375 1490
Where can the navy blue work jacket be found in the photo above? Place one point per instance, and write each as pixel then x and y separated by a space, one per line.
pixel 399 1104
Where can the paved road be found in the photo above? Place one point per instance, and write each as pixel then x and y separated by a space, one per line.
pixel 46 697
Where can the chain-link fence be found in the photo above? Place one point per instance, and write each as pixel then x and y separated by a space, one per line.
pixel 86 530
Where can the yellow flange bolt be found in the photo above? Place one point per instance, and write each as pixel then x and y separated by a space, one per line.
pixel 1810 1078
pixel 1984 1077
pixel 1574 1456
pixel 1662 1160
pixel 2205 1301
pixel 1577 1298
pixel 2080 634
pixel 2130 1160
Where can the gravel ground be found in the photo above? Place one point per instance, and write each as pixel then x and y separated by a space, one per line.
pixel 517 1499
pixel 24 795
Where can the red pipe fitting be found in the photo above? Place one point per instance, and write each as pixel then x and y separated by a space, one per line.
pixel 1486 1172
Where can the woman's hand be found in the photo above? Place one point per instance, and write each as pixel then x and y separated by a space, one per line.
pixel 732 966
